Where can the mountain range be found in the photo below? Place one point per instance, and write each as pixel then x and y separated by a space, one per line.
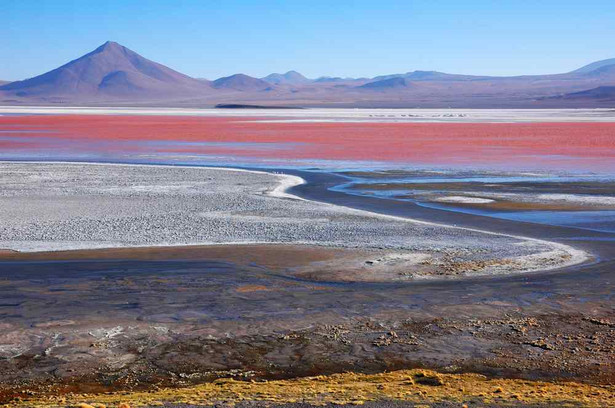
pixel 114 75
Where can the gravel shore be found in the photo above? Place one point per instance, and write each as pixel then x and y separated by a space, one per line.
pixel 62 206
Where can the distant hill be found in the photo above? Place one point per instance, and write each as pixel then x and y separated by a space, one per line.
pixel 604 71
pixel 113 75
pixel 604 68
pixel 325 79
pixel 391 83
pixel 595 66
pixel 111 71
pixel 431 76
pixel 289 78
pixel 241 82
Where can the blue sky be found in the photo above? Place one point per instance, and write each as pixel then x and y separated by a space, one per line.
pixel 210 39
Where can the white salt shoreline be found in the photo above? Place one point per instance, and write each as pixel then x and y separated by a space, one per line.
pixel 324 115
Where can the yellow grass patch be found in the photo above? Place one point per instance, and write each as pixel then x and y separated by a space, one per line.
pixel 417 386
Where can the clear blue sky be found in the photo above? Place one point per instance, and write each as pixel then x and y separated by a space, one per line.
pixel 340 38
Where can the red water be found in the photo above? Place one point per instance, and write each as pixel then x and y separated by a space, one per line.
pixel 567 146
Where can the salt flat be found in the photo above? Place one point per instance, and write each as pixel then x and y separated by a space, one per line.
pixel 62 206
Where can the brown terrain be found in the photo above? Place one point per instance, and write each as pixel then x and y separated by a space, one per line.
pixel 109 321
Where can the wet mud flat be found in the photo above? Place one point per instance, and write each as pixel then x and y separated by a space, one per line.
pixel 72 327
pixel 142 319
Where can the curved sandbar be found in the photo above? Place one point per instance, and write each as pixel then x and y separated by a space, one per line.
pixel 70 206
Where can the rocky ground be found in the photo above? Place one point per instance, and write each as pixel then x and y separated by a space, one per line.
pixel 132 321
pixel 73 327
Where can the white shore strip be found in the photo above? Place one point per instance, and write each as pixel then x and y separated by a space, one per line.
pixel 324 115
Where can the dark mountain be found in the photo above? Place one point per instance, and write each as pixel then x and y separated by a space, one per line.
pixel 602 92
pixel 4 82
pixel 241 82
pixel 385 84
pixel 290 78
pixel 109 72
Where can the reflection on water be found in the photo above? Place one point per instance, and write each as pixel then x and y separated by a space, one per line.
pixel 424 188
pixel 591 220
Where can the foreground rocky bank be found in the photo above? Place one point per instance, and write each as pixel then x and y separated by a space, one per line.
pixel 169 316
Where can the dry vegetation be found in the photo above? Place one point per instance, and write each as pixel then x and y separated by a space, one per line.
pixel 413 386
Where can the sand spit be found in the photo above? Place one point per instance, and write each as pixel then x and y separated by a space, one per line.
pixel 62 206
pixel 587 200
pixel 464 200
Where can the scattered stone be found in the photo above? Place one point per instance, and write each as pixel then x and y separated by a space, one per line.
pixel 600 322
pixel 432 380
pixel 540 344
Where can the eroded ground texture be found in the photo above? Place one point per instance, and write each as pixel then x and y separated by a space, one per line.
pixel 140 319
